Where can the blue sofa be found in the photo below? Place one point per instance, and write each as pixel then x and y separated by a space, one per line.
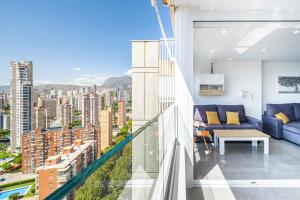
pixel 275 127
pixel 246 122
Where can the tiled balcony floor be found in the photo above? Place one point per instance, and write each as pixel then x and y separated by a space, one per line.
pixel 246 173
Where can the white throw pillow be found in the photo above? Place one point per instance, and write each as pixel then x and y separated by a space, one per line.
pixel 197 116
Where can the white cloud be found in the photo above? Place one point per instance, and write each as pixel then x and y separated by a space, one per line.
pixel 77 69
pixel 41 82
pixel 128 72
pixel 87 80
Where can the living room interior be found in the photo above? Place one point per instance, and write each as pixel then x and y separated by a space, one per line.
pixel 251 64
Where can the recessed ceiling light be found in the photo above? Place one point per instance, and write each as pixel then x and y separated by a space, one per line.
pixel 263 50
pixel 296 31
pixel 212 50
pixel 223 31
pixel 229 59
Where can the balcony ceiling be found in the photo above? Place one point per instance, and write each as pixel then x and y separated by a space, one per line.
pixel 247 41
pixel 240 4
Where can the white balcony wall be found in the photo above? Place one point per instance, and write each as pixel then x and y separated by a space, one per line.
pixel 184 85
pixel 145 81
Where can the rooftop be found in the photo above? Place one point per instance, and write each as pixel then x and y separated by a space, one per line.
pixel 66 159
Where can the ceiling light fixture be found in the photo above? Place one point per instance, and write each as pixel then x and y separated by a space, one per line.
pixel 296 31
pixel 223 31
pixel 263 50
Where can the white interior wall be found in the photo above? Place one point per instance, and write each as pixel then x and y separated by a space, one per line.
pixel 239 75
pixel 271 71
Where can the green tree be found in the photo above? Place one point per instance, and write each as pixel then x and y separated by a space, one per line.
pixel 14 196
pixel 17 159
pixel 3 147
pixel 6 108
pixel 75 124
pixel 6 166
pixel 114 107
pixel 108 181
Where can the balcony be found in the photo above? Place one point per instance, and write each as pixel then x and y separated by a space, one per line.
pixel 142 166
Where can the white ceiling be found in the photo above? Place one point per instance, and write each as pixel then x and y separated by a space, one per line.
pixel 247 41
pixel 241 4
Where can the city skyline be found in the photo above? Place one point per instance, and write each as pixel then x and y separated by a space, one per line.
pixel 87 57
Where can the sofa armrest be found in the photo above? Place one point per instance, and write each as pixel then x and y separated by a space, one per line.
pixel 272 126
pixel 257 123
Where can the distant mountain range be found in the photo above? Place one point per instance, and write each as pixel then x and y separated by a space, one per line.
pixel 124 82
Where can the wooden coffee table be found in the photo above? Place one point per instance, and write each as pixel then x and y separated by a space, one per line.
pixel 221 136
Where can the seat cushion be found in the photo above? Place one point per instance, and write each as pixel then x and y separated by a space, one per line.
pixel 297 111
pixel 287 109
pixel 292 127
pixel 222 109
pixel 244 125
pixel 202 110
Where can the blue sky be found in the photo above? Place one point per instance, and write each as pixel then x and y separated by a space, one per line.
pixel 75 41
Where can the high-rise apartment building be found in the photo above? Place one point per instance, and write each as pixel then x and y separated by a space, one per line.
pixel 1 120
pixel 21 100
pixel 6 121
pixel 1 101
pixel 49 104
pixel 38 145
pixel 89 109
pixel 59 169
pixel 65 114
pixel 106 128
pixel 41 119
pixel 123 95
pixel 121 113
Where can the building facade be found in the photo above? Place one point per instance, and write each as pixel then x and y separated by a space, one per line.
pixel 21 100
pixel 106 128
pixel 121 113
pixel 89 109
pixel 59 169
pixel 41 119
pixel 39 145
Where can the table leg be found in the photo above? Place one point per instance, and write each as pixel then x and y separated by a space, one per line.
pixel 215 140
pixel 222 146
pixel 254 143
pixel 266 146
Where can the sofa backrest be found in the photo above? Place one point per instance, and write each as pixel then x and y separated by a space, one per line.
pixel 297 110
pixel 222 109
pixel 287 109
pixel 203 109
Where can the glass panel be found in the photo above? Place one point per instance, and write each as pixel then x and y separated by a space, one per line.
pixel 136 168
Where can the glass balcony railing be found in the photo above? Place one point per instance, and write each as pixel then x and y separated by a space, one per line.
pixel 141 166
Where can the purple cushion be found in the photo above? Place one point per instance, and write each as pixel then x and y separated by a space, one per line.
pixel 297 110
pixel 222 109
pixel 292 127
pixel 287 109
pixel 203 109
